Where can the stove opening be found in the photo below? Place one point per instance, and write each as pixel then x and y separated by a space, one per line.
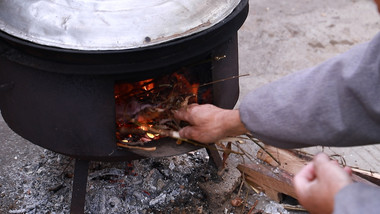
pixel 144 108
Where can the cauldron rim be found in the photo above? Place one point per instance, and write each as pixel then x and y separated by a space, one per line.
pixel 69 61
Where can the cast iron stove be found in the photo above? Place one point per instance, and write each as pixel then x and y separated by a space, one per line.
pixel 63 99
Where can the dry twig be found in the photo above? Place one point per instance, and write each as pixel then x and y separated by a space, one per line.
pixel 150 149
pixel 257 142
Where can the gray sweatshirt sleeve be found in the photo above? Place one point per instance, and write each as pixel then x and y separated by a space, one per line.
pixel 336 103
pixel 357 198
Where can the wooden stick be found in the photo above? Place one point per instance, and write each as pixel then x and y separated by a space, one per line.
pixel 289 161
pixel 370 176
pixel 257 142
pixel 294 208
pixel 222 80
pixel 149 149
pixel 253 207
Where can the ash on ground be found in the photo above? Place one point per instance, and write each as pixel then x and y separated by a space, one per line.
pixel 179 184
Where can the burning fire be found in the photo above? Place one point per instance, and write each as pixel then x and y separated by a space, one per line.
pixel 144 108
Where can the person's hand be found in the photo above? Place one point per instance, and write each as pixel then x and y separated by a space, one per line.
pixel 209 123
pixel 318 182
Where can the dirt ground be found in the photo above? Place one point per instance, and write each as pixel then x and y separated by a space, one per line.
pixel 278 38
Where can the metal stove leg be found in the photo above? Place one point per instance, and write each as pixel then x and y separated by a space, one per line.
pixel 79 186
pixel 214 156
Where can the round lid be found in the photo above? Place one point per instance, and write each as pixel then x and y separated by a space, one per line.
pixel 109 24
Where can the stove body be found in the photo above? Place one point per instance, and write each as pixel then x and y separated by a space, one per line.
pixel 74 114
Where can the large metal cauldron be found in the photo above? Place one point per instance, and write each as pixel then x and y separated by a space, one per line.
pixel 63 99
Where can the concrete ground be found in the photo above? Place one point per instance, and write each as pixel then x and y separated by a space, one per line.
pixel 278 38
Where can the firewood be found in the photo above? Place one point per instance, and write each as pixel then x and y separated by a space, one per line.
pixel 292 161
pixel 289 160
pixel 370 176
pixel 272 180
pixel 274 176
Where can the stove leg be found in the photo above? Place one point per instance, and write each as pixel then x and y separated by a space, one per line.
pixel 214 156
pixel 79 186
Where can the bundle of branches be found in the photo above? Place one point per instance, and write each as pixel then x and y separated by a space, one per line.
pixel 145 109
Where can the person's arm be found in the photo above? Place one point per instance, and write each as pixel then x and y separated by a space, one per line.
pixel 357 198
pixel 334 104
